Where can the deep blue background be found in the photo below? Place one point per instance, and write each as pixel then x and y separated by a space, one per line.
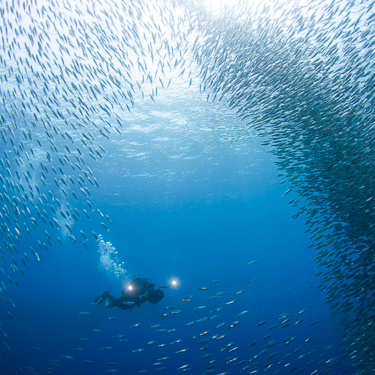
pixel 202 230
pixel 192 195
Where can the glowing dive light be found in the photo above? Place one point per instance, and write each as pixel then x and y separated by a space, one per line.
pixel 172 282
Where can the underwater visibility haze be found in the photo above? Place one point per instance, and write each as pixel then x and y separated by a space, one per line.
pixel 222 149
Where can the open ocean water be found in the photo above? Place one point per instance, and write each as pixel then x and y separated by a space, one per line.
pixel 226 146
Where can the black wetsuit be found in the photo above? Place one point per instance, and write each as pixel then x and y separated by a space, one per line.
pixel 141 292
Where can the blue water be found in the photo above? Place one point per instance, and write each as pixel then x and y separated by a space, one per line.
pixel 194 196
pixel 199 226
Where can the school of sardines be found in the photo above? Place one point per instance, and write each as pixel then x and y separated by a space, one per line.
pixel 215 350
pixel 300 74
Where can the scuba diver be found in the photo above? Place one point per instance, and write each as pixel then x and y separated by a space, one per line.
pixel 140 290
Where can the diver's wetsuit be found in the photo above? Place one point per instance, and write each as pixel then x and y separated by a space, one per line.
pixel 141 292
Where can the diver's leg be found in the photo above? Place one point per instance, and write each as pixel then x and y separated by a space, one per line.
pixel 96 300
pixel 121 303
pixel 99 300
pixel 111 298
pixel 112 301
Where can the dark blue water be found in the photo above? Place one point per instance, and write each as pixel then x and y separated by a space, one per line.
pixel 196 229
